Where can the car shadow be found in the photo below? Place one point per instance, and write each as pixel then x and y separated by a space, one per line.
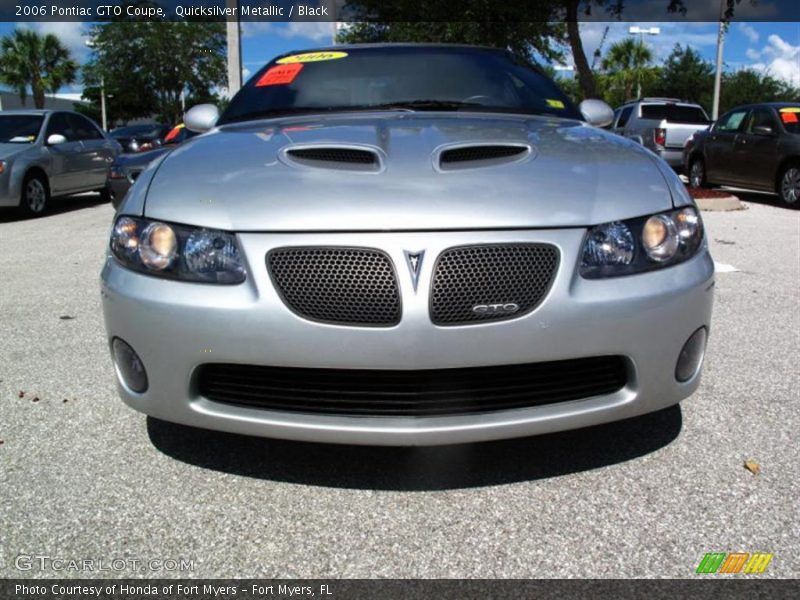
pixel 419 468
pixel 57 206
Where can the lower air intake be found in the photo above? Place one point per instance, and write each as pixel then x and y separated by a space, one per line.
pixel 436 392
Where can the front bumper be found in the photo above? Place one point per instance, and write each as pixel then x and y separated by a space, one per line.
pixel 175 327
pixel 117 188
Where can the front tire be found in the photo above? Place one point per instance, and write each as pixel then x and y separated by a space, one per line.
pixel 697 173
pixel 35 195
pixel 789 185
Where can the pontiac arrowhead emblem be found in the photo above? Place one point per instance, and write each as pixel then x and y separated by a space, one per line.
pixel 414 262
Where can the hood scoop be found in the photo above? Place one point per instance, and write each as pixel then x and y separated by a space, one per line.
pixel 340 158
pixel 481 155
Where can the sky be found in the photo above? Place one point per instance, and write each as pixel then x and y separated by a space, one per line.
pixel 771 47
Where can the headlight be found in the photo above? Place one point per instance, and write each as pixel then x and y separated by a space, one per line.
pixel 177 251
pixel 643 244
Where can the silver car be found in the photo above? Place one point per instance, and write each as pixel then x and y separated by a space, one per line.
pixel 405 245
pixel 661 124
pixel 45 153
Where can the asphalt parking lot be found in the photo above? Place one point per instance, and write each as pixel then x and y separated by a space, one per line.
pixel 84 477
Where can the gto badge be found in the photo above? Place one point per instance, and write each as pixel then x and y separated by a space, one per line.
pixel 414 262
pixel 507 308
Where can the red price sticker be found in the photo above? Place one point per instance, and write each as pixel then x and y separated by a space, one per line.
pixel 280 74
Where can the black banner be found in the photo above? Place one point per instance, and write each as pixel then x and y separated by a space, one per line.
pixel 393 589
pixel 394 10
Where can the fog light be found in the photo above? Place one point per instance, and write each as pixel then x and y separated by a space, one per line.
pixel 129 366
pixel 691 357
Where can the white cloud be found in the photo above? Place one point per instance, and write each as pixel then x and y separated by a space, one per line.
pixel 254 28
pixel 780 59
pixel 753 54
pixel 749 32
pixel 313 30
pixel 317 31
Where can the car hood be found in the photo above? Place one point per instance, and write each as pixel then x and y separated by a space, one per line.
pixel 9 150
pixel 238 177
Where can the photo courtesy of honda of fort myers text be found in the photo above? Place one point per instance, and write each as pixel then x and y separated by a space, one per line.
pixel 363 300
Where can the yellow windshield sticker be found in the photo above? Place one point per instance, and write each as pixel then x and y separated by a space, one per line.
pixel 791 109
pixel 554 103
pixel 311 57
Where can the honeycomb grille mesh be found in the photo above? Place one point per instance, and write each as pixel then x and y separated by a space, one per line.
pixel 335 155
pixel 469 276
pixel 474 153
pixel 337 285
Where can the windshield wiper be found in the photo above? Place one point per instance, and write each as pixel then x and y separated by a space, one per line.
pixel 421 105
pixel 406 105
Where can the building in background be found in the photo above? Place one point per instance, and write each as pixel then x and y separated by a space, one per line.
pixel 11 101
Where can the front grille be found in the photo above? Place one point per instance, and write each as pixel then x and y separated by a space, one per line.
pixel 497 277
pixel 411 393
pixel 345 286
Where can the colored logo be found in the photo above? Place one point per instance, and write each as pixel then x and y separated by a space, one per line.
pixel 734 562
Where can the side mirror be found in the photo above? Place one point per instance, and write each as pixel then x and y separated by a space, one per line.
pixel 596 112
pixel 55 139
pixel 763 130
pixel 201 118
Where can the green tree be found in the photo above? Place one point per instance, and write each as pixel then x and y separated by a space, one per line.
pixel 687 76
pixel 523 29
pixel 748 86
pixel 628 65
pixel 574 9
pixel 38 62
pixel 146 66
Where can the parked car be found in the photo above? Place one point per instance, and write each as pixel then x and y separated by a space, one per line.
pixel 140 138
pixel 405 244
pixel 45 153
pixel 755 147
pixel 661 124
pixel 127 167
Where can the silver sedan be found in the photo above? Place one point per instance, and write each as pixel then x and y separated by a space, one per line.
pixel 46 153
pixel 405 245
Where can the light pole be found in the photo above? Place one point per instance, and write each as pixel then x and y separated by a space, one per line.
pixel 642 31
pixel 93 45
pixel 718 73
pixel 234 50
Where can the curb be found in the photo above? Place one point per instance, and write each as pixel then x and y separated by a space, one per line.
pixel 720 204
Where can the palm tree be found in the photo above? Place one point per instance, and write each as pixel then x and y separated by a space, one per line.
pixel 39 61
pixel 627 62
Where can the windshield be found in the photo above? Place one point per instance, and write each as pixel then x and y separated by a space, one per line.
pixel 20 129
pixel 149 131
pixel 675 113
pixel 402 78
